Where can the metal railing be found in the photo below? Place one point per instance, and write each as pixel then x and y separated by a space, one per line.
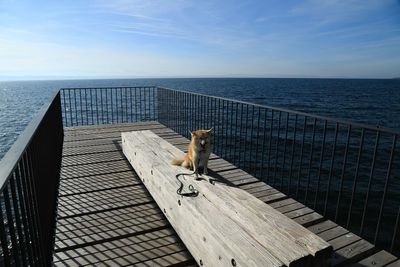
pixel 349 172
pixel 29 176
pixel 91 106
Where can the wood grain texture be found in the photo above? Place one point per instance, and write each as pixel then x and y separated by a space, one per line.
pixel 264 234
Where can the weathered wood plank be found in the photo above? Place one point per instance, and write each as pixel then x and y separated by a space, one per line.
pixel 127 251
pixel 299 236
pixel 352 253
pixel 208 246
pixel 379 259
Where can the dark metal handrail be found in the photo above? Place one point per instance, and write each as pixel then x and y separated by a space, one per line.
pixel 29 175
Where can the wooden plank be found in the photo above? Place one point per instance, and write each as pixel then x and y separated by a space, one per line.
pixel 91 202
pixel 225 204
pixel 92 158
pixel 321 227
pixel 92 228
pixel 193 215
pixel 126 251
pixel 394 264
pixel 99 182
pixel 70 172
pixel 379 259
pixel 352 253
pixel 333 233
pixel 344 241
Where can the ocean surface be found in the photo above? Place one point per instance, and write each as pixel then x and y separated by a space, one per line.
pixel 371 101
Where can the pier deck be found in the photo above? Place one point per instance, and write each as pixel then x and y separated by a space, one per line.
pixel 106 217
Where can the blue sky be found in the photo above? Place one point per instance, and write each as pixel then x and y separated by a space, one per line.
pixel 178 38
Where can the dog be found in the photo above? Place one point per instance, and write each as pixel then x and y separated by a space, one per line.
pixel 199 151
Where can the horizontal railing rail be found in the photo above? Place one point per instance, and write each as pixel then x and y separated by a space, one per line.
pixel 347 171
pixel 29 176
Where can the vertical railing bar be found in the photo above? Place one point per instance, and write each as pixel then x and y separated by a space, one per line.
pixel 277 146
pixel 32 189
pixel 116 102
pixel 140 104
pixel 231 138
pixel 245 136
pixel 284 148
pixel 263 144
pixel 388 173
pixel 331 169
pixel 343 172
pixel 91 104
pixel 70 107
pixel 10 222
pixel 236 134
pixel 257 139
pixel 101 106
pixel 126 104
pixel 64 108
pixel 149 102
pixel 112 106
pixel 76 109
pixel 227 137
pixel 395 231
pixel 80 104
pixel 86 108
pixel 215 117
pixel 240 135
pixel 175 111
pixel 184 109
pixel 118 108
pixel 4 242
pixel 250 159
pixel 18 218
pixel 270 142
pixel 355 177
pixel 204 113
pixel 97 106
pixel 144 103
pixel 131 103
pixel 154 103
pixel 219 127
pixel 292 154
pixel 320 164
pixel 310 162
pixel 371 175
pixel 24 212
pixel 301 156
pixel 36 236
pixel 136 105
pixel 107 109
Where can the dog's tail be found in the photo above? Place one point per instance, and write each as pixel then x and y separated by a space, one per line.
pixel 177 162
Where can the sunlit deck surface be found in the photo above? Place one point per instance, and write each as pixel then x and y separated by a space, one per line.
pixel 106 217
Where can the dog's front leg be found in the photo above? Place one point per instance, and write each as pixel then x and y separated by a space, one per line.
pixel 195 163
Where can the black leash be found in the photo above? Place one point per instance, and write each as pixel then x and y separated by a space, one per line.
pixel 193 192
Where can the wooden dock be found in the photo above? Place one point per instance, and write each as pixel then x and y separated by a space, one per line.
pixel 106 217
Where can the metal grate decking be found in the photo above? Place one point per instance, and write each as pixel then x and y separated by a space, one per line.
pixel 106 217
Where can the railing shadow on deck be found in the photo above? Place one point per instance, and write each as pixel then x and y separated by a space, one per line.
pixel 347 171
